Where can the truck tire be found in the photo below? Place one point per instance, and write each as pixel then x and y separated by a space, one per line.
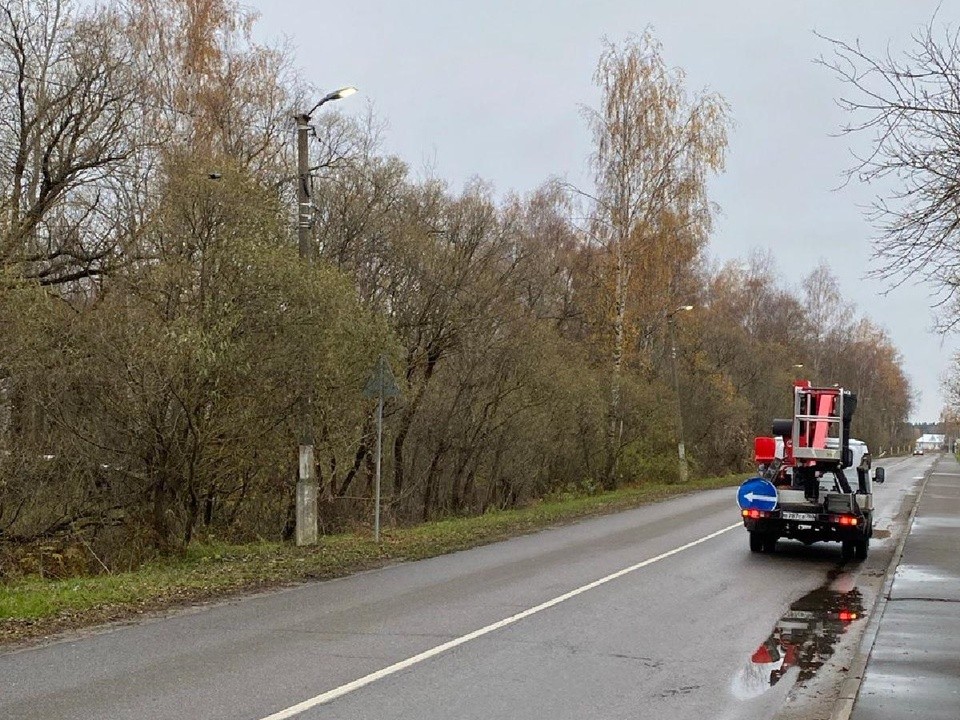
pixel 782 427
pixel 847 549
pixel 770 544
pixel 756 542
pixel 861 548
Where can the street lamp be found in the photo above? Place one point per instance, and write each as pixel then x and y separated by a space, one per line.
pixel 681 452
pixel 304 204
pixel 335 95
pixel 306 530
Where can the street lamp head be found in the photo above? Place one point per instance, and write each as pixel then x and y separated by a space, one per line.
pixel 335 95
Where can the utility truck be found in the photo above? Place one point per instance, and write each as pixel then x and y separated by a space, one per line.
pixel 802 491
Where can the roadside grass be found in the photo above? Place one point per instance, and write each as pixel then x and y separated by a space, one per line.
pixel 34 607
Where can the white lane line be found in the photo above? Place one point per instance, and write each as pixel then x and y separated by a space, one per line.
pixel 456 642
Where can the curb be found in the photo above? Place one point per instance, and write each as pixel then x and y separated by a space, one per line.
pixel 843 707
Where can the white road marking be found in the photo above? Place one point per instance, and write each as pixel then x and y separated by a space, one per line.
pixel 456 642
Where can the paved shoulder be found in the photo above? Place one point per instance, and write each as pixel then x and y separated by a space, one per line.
pixel 914 667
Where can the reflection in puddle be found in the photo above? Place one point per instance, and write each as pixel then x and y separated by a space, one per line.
pixel 803 638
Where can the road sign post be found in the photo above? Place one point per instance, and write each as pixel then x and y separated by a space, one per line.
pixel 381 384
pixel 376 502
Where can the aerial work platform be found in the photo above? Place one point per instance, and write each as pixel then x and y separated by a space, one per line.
pixel 821 424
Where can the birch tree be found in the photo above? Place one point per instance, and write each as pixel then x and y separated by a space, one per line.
pixel 655 145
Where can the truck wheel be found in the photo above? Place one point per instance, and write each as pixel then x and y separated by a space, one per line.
pixel 756 542
pixel 847 549
pixel 861 548
pixel 770 544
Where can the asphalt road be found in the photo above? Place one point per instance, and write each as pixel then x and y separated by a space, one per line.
pixel 656 612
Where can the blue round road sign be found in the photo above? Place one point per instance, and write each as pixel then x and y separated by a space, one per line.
pixel 757 494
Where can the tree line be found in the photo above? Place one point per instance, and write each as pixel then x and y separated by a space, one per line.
pixel 161 333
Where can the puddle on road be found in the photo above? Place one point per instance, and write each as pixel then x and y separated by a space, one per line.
pixel 804 638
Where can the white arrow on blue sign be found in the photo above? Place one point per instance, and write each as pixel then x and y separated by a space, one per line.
pixel 757 494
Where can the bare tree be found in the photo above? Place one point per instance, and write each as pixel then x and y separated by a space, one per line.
pixel 908 104
pixel 830 316
pixel 66 100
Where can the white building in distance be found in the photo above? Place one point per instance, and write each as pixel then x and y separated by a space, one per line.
pixel 931 442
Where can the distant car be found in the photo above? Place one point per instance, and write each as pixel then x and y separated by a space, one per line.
pixel 918 451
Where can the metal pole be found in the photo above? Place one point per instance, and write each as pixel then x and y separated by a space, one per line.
pixel 376 511
pixel 681 452
pixel 306 531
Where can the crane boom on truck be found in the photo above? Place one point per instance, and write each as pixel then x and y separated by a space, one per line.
pixel 802 491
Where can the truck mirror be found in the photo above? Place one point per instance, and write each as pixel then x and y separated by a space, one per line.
pixel 879 475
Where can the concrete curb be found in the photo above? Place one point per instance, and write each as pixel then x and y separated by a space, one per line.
pixel 843 707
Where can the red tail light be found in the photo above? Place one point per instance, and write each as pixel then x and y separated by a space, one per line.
pixel 754 514
pixel 847 616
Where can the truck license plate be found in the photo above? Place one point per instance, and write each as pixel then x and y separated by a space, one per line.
pixel 804 517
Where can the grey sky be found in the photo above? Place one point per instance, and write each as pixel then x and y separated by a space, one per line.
pixel 492 89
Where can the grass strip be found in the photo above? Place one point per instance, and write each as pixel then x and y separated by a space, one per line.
pixel 33 607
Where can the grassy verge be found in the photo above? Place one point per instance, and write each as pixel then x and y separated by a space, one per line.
pixel 34 607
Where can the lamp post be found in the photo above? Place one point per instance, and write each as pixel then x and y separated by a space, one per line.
pixel 681 451
pixel 306 530
pixel 304 205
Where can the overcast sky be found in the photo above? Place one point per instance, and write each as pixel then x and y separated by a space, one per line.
pixel 493 89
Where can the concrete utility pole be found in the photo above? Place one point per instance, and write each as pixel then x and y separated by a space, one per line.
pixel 306 531
pixel 304 203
